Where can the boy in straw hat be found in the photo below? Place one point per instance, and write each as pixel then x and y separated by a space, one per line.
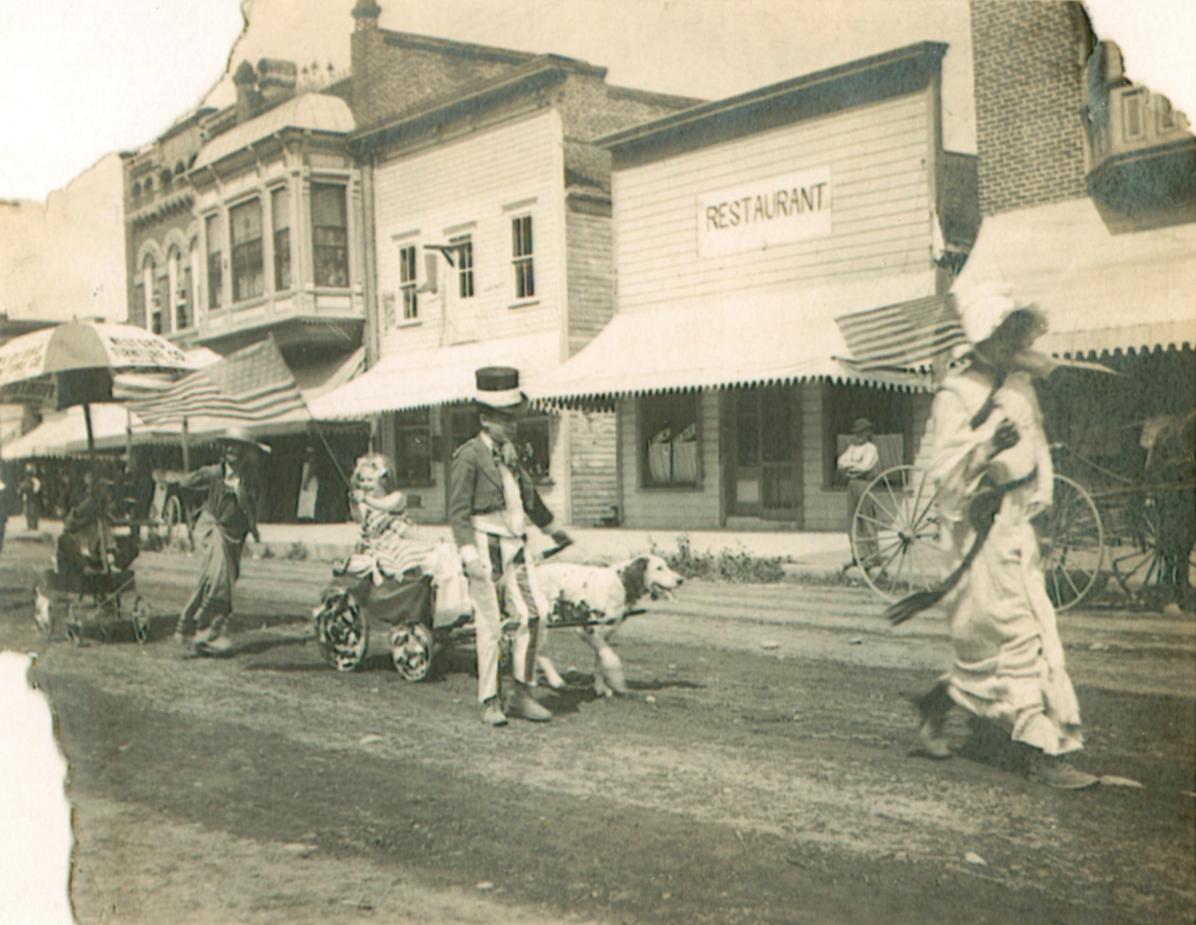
pixel 992 465
pixel 229 514
pixel 491 502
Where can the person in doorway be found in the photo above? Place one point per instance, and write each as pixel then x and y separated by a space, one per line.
pixel 491 502
pixel 309 487
pixel 30 490
pixel 860 464
pixel 992 465
pixel 229 514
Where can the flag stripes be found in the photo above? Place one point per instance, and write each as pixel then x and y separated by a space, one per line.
pixel 253 385
pixel 908 335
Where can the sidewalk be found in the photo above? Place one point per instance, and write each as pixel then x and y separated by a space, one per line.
pixel 809 553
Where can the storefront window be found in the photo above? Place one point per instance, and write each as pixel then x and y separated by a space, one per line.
pixel 669 439
pixel 413 447
pixel 533 443
pixel 330 234
pixel 890 412
pixel 245 223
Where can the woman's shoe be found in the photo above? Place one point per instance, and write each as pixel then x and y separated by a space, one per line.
pixel 1058 772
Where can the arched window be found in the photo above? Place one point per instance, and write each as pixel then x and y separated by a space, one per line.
pixel 149 185
pixel 165 177
pixel 136 190
pixel 173 312
pixel 151 312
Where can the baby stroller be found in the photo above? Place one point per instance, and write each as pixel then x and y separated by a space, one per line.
pixel 91 580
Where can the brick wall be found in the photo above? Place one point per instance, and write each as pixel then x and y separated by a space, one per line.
pixel 394 72
pixel 591 108
pixel 1029 86
pixel 593 465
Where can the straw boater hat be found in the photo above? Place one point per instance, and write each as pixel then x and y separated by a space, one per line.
pixel 862 426
pixel 498 389
pixel 238 434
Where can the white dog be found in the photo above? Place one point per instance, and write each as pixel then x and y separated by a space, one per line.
pixel 604 595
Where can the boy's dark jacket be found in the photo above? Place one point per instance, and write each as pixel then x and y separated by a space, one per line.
pixel 475 487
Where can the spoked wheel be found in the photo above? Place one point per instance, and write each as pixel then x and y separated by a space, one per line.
pixel 1072 544
pixel 1138 560
pixel 341 631
pixel 895 533
pixel 75 612
pixel 411 651
pixel 140 616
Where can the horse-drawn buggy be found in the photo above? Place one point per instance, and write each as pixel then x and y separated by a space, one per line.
pixel 1126 513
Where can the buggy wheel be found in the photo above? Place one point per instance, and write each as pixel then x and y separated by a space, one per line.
pixel 341 631
pixel 895 533
pixel 43 614
pixel 1072 544
pixel 411 651
pixel 140 615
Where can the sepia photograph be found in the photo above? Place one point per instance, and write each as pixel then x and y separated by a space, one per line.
pixel 598 462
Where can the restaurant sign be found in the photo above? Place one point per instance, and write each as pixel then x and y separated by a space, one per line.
pixel 753 216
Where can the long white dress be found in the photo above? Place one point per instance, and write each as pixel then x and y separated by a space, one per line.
pixel 1008 664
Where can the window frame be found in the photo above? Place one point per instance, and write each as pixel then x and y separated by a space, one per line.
pixel 523 262
pixel 646 482
pixel 544 420
pixel 281 254
pixel 342 247
pixel 408 283
pixel 465 265
pixel 413 422
pixel 214 263
pixel 254 247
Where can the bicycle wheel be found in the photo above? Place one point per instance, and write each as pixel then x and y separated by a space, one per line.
pixel 1072 544
pixel 174 521
pixel 895 533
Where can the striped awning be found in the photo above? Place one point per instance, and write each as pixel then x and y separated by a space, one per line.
pixel 1104 284
pixel 744 339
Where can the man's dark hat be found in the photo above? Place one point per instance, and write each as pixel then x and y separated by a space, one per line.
pixel 498 388
pixel 862 426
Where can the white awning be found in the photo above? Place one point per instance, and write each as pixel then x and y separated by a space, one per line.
pixel 64 433
pixel 438 376
pixel 1103 289
pixel 742 340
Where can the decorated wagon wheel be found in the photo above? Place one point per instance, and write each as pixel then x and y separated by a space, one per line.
pixel 895 533
pixel 1071 541
pixel 341 631
pixel 411 651
pixel 140 616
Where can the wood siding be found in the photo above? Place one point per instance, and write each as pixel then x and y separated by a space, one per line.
pixel 474 185
pixel 880 157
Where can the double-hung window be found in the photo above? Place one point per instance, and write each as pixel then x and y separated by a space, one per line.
pixel 330 234
pixel 245 234
pixel 523 257
pixel 409 282
pixel 280 219
pixel 214 234
pixel 464 253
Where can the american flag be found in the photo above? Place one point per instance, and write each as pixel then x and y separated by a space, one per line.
pixel 252 385
pixel 908 335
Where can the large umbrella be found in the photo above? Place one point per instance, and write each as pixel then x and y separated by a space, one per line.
pixel 77 363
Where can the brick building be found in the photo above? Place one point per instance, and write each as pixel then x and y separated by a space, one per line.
pixel 491 244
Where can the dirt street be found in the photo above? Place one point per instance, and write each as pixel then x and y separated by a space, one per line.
pixel 761 771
